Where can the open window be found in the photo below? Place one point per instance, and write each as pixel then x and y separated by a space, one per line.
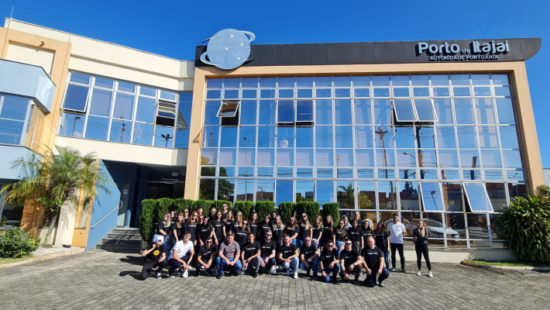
pixel 229 112
pixel 432 199
pixel 166 113
pixel 478 199
pixel 417 110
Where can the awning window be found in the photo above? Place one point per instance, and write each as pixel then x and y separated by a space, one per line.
pixel 229 108
pixel 432 199
pixel 477 196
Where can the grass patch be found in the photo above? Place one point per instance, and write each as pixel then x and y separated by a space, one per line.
pixel 510 264
pixel 13 260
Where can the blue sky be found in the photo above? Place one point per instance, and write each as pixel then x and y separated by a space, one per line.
pixel 173 28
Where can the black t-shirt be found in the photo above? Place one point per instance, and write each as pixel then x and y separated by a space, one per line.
pixel 265 227
pixel 355 234
pixel 218 229
pixel 381 238
pixel 287 251
pixel 420 241
pixel 317 232
pixel 228 226
pixel 180 229
pixel 305 232
pixel 165 228
pixel 291 231
pixel 308 251
pixel 340 234
pixel 365 234
pixel 254 228
pixel 241 237
pixel 349 257
pixel 250 249
pixel 155 254
pixel 267 248
pixel 204 231
pixel 278 234
pixel 192 228
pixel 372 257
pixel 328 230
pixel 327 257
pixel 207 253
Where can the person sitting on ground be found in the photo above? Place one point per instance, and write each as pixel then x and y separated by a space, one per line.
pixel 288 256
pixel 250 255
pixel 309 257
pixel 182 256
pixel 373 261
pixel 206 258
pixel 267 255
pixel 350 261
pixel 228 256
pixel 153 257
pixel 329 262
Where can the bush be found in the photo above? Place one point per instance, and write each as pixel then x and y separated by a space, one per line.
pixel 205 204
pixel 332 209
pixel 286 210
pixel 146 219
pixel 181 204
pixel 525 227
pixel 15 243
pixel 163 206
pixel 218 204
pixel 311 208
pixel 245 207
pixel 264 208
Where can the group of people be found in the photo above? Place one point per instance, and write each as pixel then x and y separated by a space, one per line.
pixel 225 243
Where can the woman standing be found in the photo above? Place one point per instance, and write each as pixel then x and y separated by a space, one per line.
pixel 228 221
pixel 253 224
pixel 178 228
pixel 238 223
pixel 192 227
pixel 317 231
pixel 328 231
pixel 305 230
pixel 340 235
pixel 292 229
pixel 219 227
pixel 354 234
pixel 163 229
pixel 420 238
pixel 366 231
pixel 278 231
pixel 382 240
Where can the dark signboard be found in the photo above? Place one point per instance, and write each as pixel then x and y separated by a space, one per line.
pixel 486 50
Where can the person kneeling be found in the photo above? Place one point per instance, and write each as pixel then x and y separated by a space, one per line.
pixel 154 257
pixel 206 258
pixel 250 256
pixel 228 256
pixel 267 255
pixel 329 262
pixel 373 261
pixel 288 256
pixel 181 257
pixel 309 257
pixel 350 261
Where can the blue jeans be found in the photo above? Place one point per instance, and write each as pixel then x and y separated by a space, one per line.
pixel 174 264
pixel 335 270
pixel 339 245
pixel 293 265
pixel 371 279
pixel 270 262
pixel 313 265
pixel 387 258
pixel 220 263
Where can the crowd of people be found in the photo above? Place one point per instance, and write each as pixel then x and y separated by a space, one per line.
pixel 226 243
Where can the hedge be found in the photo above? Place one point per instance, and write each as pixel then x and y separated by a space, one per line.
pixel 286 210
pixel 218 204
pixel 205 204
pixel 146 219
pixel 333 209
pixel 311 208
pixel 164 205
pixel 15 243
pixel 245 207
pixel 181 204
pixel 264 208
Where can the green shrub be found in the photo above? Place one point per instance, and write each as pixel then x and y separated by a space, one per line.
pixel 286 210
pixel 146 219
pixel 245 207
pixel 163 206
pixel 205 204
pixel 264 208
pixel 181 204
pixel 333 209
pixel 311 208
pixel 15 243
pixel 525 227
pixel 218 204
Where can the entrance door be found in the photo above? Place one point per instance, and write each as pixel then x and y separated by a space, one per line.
pixel 123 204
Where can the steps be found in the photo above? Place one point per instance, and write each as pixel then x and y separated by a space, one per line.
pixel 121 240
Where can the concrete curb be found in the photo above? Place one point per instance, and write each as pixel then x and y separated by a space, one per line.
pixel 526 268
pixel 49 256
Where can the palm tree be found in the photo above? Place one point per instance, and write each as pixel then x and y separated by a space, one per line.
pixel 348 196
pixel 54 179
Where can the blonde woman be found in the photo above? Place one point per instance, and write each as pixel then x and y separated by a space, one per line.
pixel 292 229
pixel 238 223
pixel 305 230
pixel 228 224
pixel 278 231
pixel 328 231
pixel 178 228
pixel 163 230
pixel 420 238
pixel 317 231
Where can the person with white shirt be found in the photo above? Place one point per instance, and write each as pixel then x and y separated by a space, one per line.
pixel 397 230
pixel 181 256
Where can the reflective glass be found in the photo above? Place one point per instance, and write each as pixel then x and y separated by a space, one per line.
pixel 265 171
pixel 11 131
pixel 381 92
pixel 226 189
pixel 444 111
pixel 101 103
pixel 362 92
pixel 126 86
pixel 409 195
pixel 305 93
pixel 323 111
pixel 72 125
pixel 499 79
pixel 208 157
pixel 380 80
pixel 432 200
pixel 441 91
pixel 285 157
pixel 80 78
pixel 245 189
pixel 164 136
pixel 493 174
pixel 488 137
pixel 249 82
pixel 363 136
pixel 324 158
pixel 265 157
pixel 286 93
pixel 386 174
pixel 446 137
pixel 428 174
pixel 147 91
pixel 407 174
pixel 304 157
pixel 365 173
pixel 325 192
pixel 364 158
pixel 246 157
pixel 344 173
pixel 420 79
pixel 342 81
pixel 464 111
pixel 75 98
pixel 485 111
pixel 460 79
pixel 508 137
pixel 248 112
pixel 366 195
pixel 448 159
pixel 440 79
pixel 206 189
pixel 124 106
pixel 304 111
pixel 427 158
pixel 404 110
pixel 231 82
pixel 305 81
pixel 452 196
pixel 406 158
pixel 342 111
pixel 284 172
pixel 426 137
pixel 505 111
pixel 466 137
pixel 469 158
pixel 360 80
pixel 228 136
pixel 345 195
pixel 168 95
pixel 227 156
pixel 400 80
pixel 424 110
pixel 285 137
pixel 386 195
pixel 384 158
pixel 421 91
pixel 304 173
pixel 482 91
pixel 286 82
pixel 304 136
pixel 497 195
pixel 145 109
pixel 120 131
pixel 477 226
pixel 341 92
pixel 214 83
pixel 323 136
pixel 249 93
pixel 210 136
pixel 502 91
pixel 480 79
pixel 265 190
pixel 344 158
pixel 285 111
pixel 477 197
pixel 211 112
pixel 96 128
pixel 382 111
pixel 323 92
pixel 324 173
pixel 267 93
pixel 305 190
pixel 14 107
pixel 247 136
pixel 246 171
pixel 266 136
pixel 461 91
pixel 383 137
pixel 401 92
pixel 267 112
pixel 343 136
pixel 362 111
pixel 404 137
pixel 512 159
pixel 143 134
pixel 284 191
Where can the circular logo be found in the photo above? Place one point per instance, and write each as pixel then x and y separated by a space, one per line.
pixel 228 49
pixel 156 253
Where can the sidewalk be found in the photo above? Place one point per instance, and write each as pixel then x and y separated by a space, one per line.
pixel 42 254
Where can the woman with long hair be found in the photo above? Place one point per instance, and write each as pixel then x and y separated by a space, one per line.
pixel 178 228
pixel 317 231
pixel 328 231
pixel 219 227
pixel 265 226
pixel 253 224
pixel 382 239
pixel 238 223
pixel 366 232
pixel 354 233
pixel 241 235
pixel 292 229
pixel 163 229
pixel 420 238
pixel 192 227
pixel 340 235
pixel 278 231
pixel 228 224
pixel 305 230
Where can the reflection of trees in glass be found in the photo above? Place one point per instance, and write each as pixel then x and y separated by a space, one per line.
pixel 346 196
pixel 206 190
pixel 225 188
pixel 364 201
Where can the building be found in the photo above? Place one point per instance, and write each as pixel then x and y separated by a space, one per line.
pixel 439 130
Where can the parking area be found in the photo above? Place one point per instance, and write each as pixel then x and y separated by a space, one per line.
pixel 105 280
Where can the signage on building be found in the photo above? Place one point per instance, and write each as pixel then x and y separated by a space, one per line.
pixel 474 51
pixel 228 49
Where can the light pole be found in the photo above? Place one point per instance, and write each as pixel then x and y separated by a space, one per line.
pixel 381 134
pixel 166 137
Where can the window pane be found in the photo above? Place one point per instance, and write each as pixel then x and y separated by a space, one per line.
pixel 440 79
pixel 210 136
pixel 404 110
pixel 341 92
pixel 323 136
pixel 227 157
pixel 211 112
pixel 426 137
pixel 365 158
pixel 362 111
pixel 343 136
pixel 444 111
pixel 408 194
pixel 208 157
pixel 323 92
pixel 452 196
pixel 247 136
pixel 266 136
pixel 164 136
pixel 448 159
pixel 477 197
pixel 383 137
pixel 124 106
pixel 126 86
pixel 386 195
pixel 323 112
pixel 304 111
pixel 145 90
pixel 101 103
pixel 363 136
pixel 228 136
pixel 404 137
pixel 265 190
pixel 427 158
pixel 512 159
pixel 226 189
pixel 10 131
pixel 381 92
pixel 464 111
pixel 304 157
pixel 324 158
pixel 432 199
pixel 75 98
pixel 265 157
pixel 14 107
pixel 345 195
pixel 505 111
pixel 384 158
pixel 120 131
pixel 406 158
pixel 145 109
pixel 285 157
pixel 304 136
pixel 382 111
pixel 488 137
pixel 325 192
pixel 342 111
pixel 246 157
pixel 477 226
pixel 446 137
pixel 143 133
pixel 284 191
pixel 366 194
pixel 497 195
pixel 305 190
pixel 248 112
pixel 466 137
pixel 485 111
pixel 401 91
pixel 286 93
pixel 80 78
pixel 285 112
pixel 508 137
pixel 424 109
pixel 285 137
pixel 344 158
pixel 228 108
pixel 108 83
pixel 245 189
pixel 72 126
pixel 96 128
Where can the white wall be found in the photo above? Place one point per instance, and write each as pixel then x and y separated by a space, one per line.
pixel 31 55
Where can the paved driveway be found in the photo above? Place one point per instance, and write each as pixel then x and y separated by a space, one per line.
pixel 104 280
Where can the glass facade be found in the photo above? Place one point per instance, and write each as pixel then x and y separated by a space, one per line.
pixel 443 148
pixel 101 108
pixel 15 117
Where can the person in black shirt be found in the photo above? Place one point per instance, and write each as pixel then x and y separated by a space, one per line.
pixel 250 255
pixel 340 236
pixel 317 231
pixel 292 230
pixel 264 227
pixel 241 233
pixel 212 214
pixel 350 261
pixel 228 220
pixel 366 232
pixel 328 231
pixel 278 231
pixel 253 224
pixel 205 230
pixel 305 230
pixel 420 238
pixel 191 227
pixel 225 211
pixel 206 258
pixel 309 257
pixel 373 261
pixel 155 256
pixel 354 233
pixel 329 262
pixel 383 241
pixel 288 256
pixel 163 229
pixel 178 228
pixel 267 255
pixel 219 227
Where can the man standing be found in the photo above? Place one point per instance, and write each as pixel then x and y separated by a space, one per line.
pixel 228 255
pixel 267 255
pixel 206 257
pixel 154 257
pixel 373 261
pixel 329 262
pixel 309 257
pixel 250 256
pixel 288 256
pixel 397 230
pixel 350 261
pixel 182 255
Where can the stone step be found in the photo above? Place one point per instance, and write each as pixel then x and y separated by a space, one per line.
pixel 126 231
pixel 129 243
pixel 123 236
pixel 118 248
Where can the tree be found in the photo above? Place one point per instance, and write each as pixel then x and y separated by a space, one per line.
pixel 347 195
pixel 54 179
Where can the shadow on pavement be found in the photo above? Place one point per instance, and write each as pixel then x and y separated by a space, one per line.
pixel 134 260
pixel 134 274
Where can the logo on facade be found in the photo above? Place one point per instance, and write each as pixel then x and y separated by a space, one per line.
pixel 228 49
pixel 476 50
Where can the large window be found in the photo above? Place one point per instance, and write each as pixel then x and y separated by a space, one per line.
pixel 14 118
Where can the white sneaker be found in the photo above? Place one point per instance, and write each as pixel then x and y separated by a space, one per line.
pixel 158 275
pixel 185 274
pixel 430 274
pixel 419 273
pixel 296 275
pixel 273 270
